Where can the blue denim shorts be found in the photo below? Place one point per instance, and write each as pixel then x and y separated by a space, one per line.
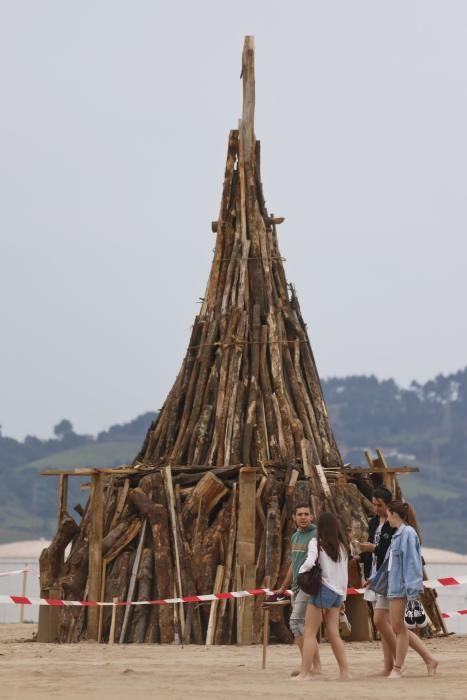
pixel 326 598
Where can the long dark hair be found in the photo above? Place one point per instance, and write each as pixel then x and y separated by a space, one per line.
pixel 406 512
pixel 331 537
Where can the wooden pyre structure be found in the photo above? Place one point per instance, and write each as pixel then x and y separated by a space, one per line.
pixel 243 435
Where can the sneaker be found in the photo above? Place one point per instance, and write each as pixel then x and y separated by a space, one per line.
pixel 409 618
pixel 277 599
pixel 419 614
pixel 345 628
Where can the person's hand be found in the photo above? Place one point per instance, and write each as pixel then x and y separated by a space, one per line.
pixel 279 591
pixel 366 546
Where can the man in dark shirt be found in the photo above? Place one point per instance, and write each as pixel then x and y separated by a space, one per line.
pixel 379 538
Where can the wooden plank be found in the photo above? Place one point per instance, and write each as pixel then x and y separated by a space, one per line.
pixel 131 587
pixel 62 497
pixel 369 458
pixel 267 576
pixel 324 485
pixel 112 621
pixel 246 551
pixel 167 476
pixel 228 566
pixel 247 516
pixel 214 605
pixel 248 112
pixel 389 480
pixel 89 471
pixel 95 551
pixel 122 494
pixel 102 597
pixel 374 470
pixel 259 507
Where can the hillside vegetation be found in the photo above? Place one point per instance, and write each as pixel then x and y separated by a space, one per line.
pixel 424 425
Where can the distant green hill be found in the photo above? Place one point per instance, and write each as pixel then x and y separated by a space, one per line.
pixel 424 425
pixel 28 501
pixel 105 454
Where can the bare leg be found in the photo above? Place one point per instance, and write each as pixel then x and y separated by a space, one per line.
pixel 310 644
pixel 418 646
pixel 388 639
pixel 316 665
pixel 331 616
pixel 396 613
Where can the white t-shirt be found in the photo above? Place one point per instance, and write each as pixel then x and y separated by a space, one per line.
pixel 335 574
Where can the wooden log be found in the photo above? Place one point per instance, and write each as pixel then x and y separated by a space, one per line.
pixel 141 612
pixel 131 587
pixel 224 629
pixel 232 385
pixel 163 565
pixel 214 606
pixel 212 287
pixel 133 529
pixel 51 559
pixel 211 552
pixel 209 488
pixel 176 542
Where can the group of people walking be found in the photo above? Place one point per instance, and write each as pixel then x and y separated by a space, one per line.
pixel 392 564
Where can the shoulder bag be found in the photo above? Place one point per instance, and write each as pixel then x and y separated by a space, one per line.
pixel 310 581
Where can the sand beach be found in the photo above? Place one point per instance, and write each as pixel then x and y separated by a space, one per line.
pixel 29 671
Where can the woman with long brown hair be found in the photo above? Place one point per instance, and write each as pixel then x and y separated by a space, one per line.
pixel 329 548
pixel 405 582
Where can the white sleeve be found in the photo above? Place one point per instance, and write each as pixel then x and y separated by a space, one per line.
pixel 312 556
pixel 346 575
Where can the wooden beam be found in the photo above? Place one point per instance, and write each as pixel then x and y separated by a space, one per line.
pixel 248 113
pixel 374 470
pixel 269 220
pixel 167 477
pixel 246 551
pixel 267 577
pixel 90 471
pixel 95 552
pixel 62 498
pixel 131 587
pixel 214 605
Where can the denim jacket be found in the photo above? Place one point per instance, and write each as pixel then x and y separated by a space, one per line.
pixel 405 576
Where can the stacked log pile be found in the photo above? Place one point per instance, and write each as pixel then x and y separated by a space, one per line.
pixel 188 517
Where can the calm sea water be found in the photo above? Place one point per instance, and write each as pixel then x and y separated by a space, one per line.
pixel 450 599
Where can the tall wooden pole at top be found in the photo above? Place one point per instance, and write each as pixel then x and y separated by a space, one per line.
pixel 248 113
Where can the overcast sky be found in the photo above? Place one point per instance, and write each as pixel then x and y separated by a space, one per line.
pixel 113 132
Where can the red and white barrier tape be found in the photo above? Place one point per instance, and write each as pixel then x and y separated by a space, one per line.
pixel 455 613
pixel 23 600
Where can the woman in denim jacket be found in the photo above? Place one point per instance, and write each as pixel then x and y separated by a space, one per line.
pixel 405 581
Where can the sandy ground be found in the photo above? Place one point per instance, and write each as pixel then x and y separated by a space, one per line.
pixel 29 670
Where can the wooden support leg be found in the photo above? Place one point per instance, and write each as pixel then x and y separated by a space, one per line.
pixel 112 621
pixel 265 635
pixel 95 552
pixel 246 551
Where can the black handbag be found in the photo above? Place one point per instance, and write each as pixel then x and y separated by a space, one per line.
pixel 310 581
